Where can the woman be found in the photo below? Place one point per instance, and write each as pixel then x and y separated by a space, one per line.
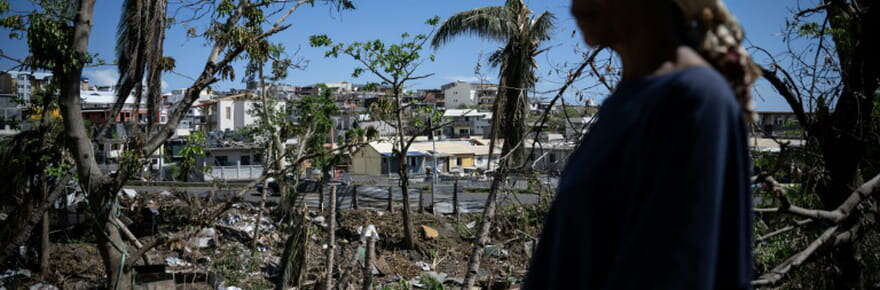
pixel 657 195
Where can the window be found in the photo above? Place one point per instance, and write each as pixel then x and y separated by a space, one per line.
pixel 457 161
pixel 246 160
pixel 221 161
pixel 228 113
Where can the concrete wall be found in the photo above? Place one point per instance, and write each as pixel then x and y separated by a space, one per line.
pixel 223 115
pixel 366 161
pixel 460 95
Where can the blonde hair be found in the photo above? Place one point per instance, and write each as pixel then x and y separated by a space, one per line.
pixel 718 36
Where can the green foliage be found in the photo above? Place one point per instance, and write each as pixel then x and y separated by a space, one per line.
pixel 431 283
pixel 190 154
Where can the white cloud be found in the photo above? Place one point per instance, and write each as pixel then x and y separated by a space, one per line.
pixel 102 77
pixel 108 77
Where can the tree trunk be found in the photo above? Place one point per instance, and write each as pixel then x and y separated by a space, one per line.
pixel 21 224
pixel 368 263
pixel 486 221
pixel 331 248
pixel 408 239
pixel 321 195
pixel 293 259
pixel 101 189
pixel 455 210
pixel 259 217
pixel 390 200
pixel 354 197
pixel 45 246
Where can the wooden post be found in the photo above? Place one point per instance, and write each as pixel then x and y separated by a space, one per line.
pixel 368 263
pixel 332 245
pixel 390 200
pixel 354 197
pixel 455 210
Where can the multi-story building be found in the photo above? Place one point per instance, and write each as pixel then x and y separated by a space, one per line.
pixel 16 90
pixel 465 123
pixel 461 94
pixel 229 113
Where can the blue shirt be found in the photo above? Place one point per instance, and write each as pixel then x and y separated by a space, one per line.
pixel 657 195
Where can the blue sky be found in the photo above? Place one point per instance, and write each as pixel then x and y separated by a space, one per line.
pixel 386 20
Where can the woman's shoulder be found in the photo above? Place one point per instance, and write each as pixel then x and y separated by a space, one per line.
pixel 703 87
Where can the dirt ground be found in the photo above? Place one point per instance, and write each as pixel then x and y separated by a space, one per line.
pixel 76 264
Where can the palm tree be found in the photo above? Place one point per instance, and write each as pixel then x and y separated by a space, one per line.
pixel 522 34
pixel 512 24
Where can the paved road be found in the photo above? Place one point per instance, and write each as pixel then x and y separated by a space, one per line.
pixel 373 197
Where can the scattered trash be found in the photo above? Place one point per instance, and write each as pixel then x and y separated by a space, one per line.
pixel 176 262
pixel 424 266
pixel 10 273
pixel 228 288
pixel 495 251
pixel 128 192
pixel 3 216
pixel 471 225
pixel 429 232
pixel 41 286
pixel 165 193
pixel 319 220
pixel 369 231
pixel 529 248
pixel 380 213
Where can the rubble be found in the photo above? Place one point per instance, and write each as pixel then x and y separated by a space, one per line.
pixel 429 232
pixel 41 286
pixel 495 251
pixel 176 262
pixel 205 238
pixel 424 266
pixel 10 273
pixel 128 192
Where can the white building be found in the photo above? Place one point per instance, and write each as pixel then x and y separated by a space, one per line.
pixel 177 95
pixel 231 112
pixel 465 123
pixel 461 94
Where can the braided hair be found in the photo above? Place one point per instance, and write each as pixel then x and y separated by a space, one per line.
pixel 717 36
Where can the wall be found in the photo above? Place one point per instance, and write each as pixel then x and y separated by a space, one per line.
pixel 223 120
pixel 460 95
pixel 366 161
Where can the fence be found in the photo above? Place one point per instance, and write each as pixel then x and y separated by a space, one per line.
pixel 231 173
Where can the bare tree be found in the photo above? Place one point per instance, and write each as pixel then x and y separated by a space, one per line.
pixel 395 65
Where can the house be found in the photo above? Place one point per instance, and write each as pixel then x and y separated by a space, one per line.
pixel 550 156
pixel 465 123
pixel 778 124
pixel 232 162
pixel 232 112
pixel 17 89
pixel 377 159
pixel 576 127
pixel 178 94
pixel 448 156
pixel 461 94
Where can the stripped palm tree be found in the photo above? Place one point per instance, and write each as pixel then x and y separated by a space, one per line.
pixel 522 34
